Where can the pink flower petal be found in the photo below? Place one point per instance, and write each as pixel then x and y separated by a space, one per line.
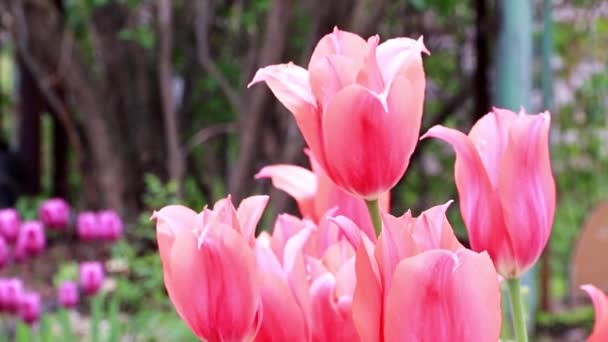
pixel 298 182
pixel 527 189
pixel 441 304
pixel 249 213
pixel 339 43
pixel 600 304
pixel 222 270
pixel 367 300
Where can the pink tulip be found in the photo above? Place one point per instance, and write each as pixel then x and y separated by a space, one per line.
pixel 506 187
pixel 10 294
pixel 358 106
pixel 91 277
pixel 306 290
pixel 209 266
pixel 55 213
pixel 67 295
pixel 3 252
pixel 315 194
pixel 9 224
pixel 421 250
pixel 600 304
pixel 29 307
pixel 88 226
pixel 110 225
pixel 31 239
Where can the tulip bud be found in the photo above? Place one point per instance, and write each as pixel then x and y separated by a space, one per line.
pixel 9 224
pixel 10 294
pixel 91 277
pixel 88 226
pixel 31 238
pixel 29 307
pixel 55 213
pixel 67 295
pixel 506 186
pixel 110 225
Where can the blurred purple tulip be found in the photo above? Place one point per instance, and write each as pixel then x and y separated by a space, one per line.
pixel 31 239
pixel 55 213
pixel 88 226
pixel 67 294
pixel 110 224
pixel 91 277
pixel 3 252
pixel 29 307
pixel 9 224
pixel 11 290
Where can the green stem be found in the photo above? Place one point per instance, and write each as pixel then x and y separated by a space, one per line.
pixel 374 213
pixel 517 309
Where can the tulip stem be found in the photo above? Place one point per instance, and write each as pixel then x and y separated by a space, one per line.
pixel 517 310
pixel 374 213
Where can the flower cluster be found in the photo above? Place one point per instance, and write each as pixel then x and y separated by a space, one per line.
pixel 22 240
pixel 348 270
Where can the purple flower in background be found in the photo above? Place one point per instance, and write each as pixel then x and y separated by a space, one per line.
pixel 67 294
pixel 3 252
pixel 10 294
pixel 110 224
pixel 31 239
pixel 91 277
pixel 88 226
pixel 9 224
pixel 55 213
pixel 29 307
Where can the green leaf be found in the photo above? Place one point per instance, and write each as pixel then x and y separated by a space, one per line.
pixel 114 323
pixel 22 332
pixel 96 314
pixel 66 327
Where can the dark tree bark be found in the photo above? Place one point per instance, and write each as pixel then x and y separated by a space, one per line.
pixel 482 84
pixel 116 99
pixel 31 105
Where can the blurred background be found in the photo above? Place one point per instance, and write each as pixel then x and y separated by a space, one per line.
pixel 134 104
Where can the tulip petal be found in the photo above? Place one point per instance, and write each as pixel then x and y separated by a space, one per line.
pixel 328 322
pixel 526 187
pixel 294 266
pixel 225 301
pixel 283 319
pixel 329 75
pixel 370 75
pixel 433 231
pixel 600 305
pixel 249 213
pixel 490 135
pixel 290 84
pixel 367 300
pixel 369 148
pixel 401 56
pixel 284 228
pixel 441 304
pixel 298 182
pixel 339 43
pixel 170 221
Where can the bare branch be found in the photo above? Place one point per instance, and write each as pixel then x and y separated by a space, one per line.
pixel 208 133
pixel 202 22
pixel 175 163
